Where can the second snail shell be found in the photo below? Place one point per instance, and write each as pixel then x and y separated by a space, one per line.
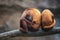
pixel 48 20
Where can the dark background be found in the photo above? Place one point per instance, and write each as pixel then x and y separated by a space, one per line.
pixel 11 10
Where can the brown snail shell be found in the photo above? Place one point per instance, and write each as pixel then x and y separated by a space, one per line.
pixel 32 18
pixel 48 20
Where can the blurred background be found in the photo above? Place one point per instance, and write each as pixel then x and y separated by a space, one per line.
pixel 11 10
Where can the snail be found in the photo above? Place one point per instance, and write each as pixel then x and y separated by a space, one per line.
pixel 30 20
pixel 48 20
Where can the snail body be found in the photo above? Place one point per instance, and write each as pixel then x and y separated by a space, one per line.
pixel 30 20
pixel 48 20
